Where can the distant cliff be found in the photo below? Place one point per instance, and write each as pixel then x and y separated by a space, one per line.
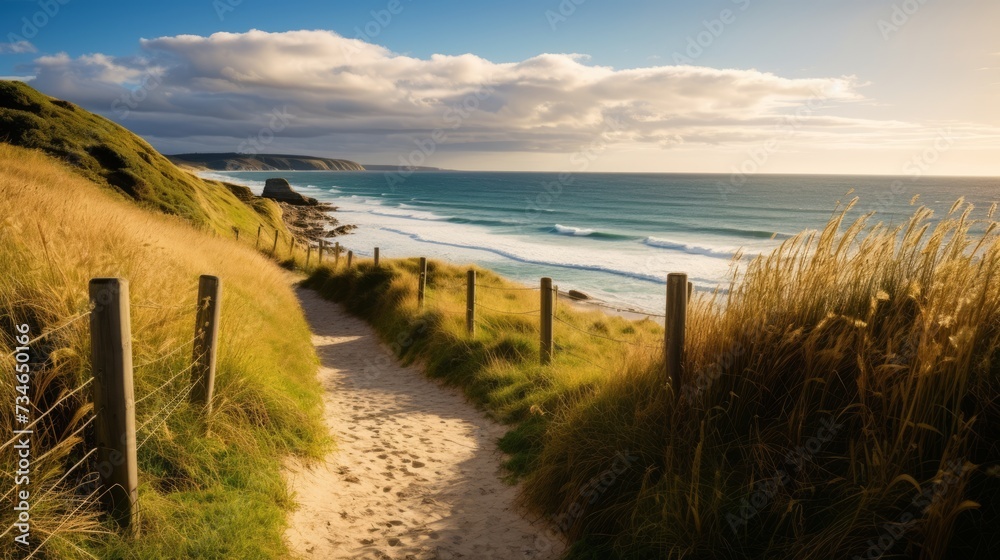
pixel 263 162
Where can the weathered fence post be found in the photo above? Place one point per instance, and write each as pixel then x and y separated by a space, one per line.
pixel 421 282
pixel 114 399
pixel 309 252
pixel 237 234
pixel 336 255
pixel 274 249
pixel 206 343
pixel 350 257
pixel 322 245
pixel 677 297
pixel 470 303
pixel 690 290
pixel 256 244
pixel 376 257
pixel 546 322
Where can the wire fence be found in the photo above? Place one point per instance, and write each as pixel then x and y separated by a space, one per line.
pixel 437 301
pixel 604 337
pixel 112 368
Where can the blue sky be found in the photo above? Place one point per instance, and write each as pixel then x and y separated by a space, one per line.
pixel 896 75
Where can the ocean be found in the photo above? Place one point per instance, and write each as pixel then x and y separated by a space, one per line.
pixel 614 236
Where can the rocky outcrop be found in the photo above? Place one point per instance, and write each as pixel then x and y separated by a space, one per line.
pixel 279 189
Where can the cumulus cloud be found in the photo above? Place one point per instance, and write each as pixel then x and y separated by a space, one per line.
pixel 17 47
pixel 348 96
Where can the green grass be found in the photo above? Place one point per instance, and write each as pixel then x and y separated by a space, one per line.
pixel 108 154
pixel 891 334
pixel 217 495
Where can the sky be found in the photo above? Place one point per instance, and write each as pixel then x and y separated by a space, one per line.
pixel 903 87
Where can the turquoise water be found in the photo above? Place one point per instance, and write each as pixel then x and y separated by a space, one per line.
pixel 615 236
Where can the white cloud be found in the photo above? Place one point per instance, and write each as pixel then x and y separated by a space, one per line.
pixel 17 47
pixel 346 96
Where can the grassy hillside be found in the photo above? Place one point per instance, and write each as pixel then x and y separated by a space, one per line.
pixel 217 496
pixel 263 162
pixel 108 154
pixel 842 399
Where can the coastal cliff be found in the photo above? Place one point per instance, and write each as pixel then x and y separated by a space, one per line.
pixel 262 162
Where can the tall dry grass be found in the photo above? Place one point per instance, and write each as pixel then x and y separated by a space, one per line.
pixel 840 398
pixel 219 496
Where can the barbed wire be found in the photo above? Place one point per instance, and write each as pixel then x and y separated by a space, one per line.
pixel 52 332
pixel 166 383
pixel 179 400
pixel 596 335
pixel 508 312
pixel 168 354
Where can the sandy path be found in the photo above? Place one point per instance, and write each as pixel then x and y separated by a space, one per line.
pixel 416 470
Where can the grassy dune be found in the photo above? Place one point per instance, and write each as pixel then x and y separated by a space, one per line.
pixel 200 497
pixel 108 154
pixel 842 398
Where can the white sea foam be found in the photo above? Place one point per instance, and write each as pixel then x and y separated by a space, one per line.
pixel 579 232
pixel 688 248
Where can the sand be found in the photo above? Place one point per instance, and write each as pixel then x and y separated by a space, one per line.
pixel 416 473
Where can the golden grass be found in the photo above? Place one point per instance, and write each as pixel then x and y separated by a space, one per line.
pixel 840 397
pixel 59 231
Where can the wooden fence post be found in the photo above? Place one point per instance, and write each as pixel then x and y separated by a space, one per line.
pixel 470 303
pixel 256 244
pixel 690 290
pixel 114 399
pixel 546 321
pixel 421 282
pixel 309 252
pixel 206 343
pixel 350 257
pixel 677 296
pixel 237 234
pixel 336 254
pixel 274 250
pixel 376 257
pixel 322 245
